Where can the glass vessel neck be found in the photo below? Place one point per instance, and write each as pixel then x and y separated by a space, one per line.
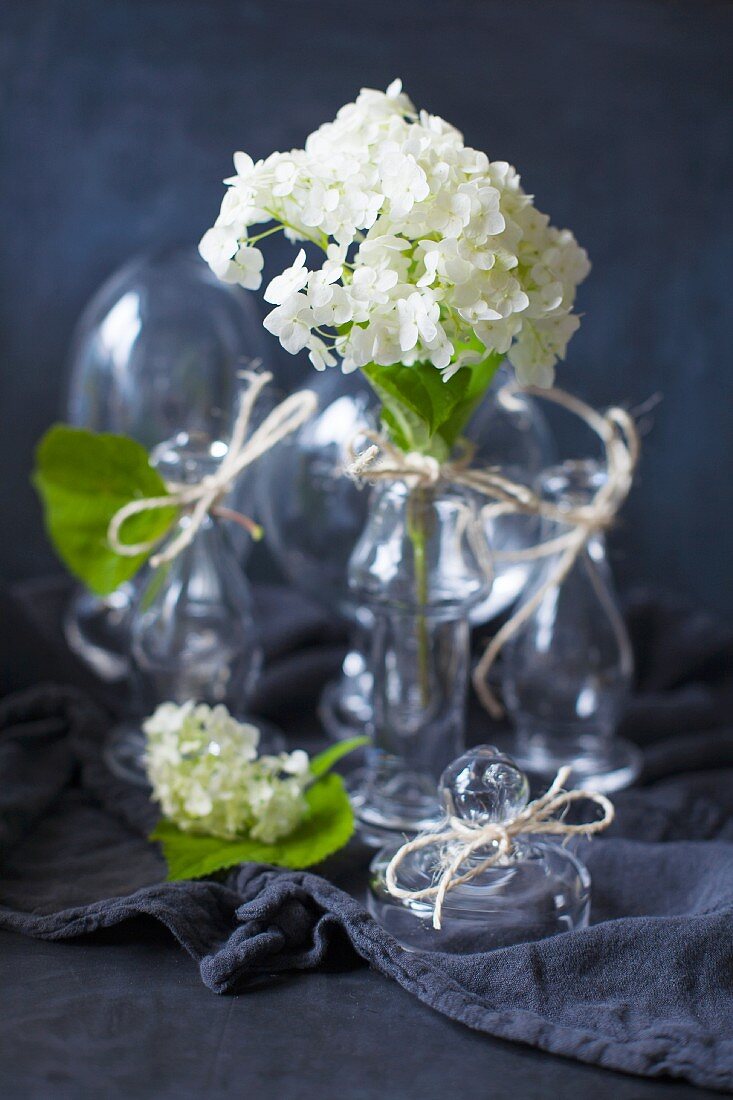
pixel 188 457
pixel 567 487
pixel 422 552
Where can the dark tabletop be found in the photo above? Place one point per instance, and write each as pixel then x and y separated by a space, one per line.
pixel 115 1017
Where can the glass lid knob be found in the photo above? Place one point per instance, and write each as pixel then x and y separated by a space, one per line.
pixel 483 786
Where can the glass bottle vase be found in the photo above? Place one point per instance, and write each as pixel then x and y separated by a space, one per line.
pixel 567 673
pixel 421 564
pixel 193 631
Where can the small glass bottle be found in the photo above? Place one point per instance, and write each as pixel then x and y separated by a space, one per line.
pixel 193 633
pixel 421 564
pixel 567 673
pixel 535 890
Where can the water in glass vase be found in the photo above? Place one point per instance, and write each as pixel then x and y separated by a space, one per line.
pixel 421 564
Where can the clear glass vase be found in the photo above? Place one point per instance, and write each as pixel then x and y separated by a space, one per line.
pixel 155 352
pixel 313 515
pixel 567 673
pixel 193 631
pixel 422 563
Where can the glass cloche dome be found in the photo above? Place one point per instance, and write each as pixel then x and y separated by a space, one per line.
pixel 154 354
pixel 156 350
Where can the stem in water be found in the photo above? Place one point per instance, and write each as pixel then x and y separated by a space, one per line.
pixel 417 530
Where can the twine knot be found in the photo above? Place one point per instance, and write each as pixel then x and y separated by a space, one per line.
pixel 201 498
pixel 382 460
pixel 459 839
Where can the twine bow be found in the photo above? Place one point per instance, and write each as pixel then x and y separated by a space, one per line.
pixel 620 438
pixel 285 418
pixel 460 839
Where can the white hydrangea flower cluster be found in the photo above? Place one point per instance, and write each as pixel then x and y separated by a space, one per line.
pixel 206 775
pixel 432 252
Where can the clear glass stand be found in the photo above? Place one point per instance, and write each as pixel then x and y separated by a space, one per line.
pixel 599 763
pixel 346 708
pixel 97 629
pixel 124 751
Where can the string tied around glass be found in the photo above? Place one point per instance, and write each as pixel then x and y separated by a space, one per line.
pixel 621 443
pixel 460 838
pixel 204 497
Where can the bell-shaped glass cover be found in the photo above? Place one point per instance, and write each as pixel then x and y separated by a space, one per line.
pixel 157 350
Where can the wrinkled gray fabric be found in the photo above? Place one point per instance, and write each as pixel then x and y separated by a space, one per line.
pixel 648 988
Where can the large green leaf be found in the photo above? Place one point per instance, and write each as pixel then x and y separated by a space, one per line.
pixel 83 479
pixel 327 828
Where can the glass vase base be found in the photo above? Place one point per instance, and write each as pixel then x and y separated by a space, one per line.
pixel 97 630
pixel 123 754
pixel 345 711
pixel 386 813
pixel 605 769
pixel 124 751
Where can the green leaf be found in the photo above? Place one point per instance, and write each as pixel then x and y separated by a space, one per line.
pixel 417 403
pixel 406 430
pixel 83 479
pixel 328 827
pixel 478 380
pixel 325 760
pixel 406 407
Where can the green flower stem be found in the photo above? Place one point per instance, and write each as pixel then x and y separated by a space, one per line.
pixel 321 243
pixel 265 233
pixel 416 529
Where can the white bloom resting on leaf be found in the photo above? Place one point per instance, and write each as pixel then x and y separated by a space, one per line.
pixel 429 247
pixel 206 775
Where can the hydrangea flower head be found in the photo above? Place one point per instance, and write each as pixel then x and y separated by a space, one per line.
pixel 206 775
pixel 427 248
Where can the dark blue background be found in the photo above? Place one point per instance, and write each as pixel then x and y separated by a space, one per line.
pixel 119 119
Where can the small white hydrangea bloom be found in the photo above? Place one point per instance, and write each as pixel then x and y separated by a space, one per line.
pixel 205 773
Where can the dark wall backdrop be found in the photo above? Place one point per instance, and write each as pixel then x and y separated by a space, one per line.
pixel 119 119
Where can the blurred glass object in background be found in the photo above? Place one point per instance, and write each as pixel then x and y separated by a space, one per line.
pixel 155 352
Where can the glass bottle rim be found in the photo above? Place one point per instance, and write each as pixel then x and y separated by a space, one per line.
pixel 572 483
pixel 188 457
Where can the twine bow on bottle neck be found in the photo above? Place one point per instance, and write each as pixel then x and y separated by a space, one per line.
pixel 202 497
pixel 460 839
pixel 620 438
